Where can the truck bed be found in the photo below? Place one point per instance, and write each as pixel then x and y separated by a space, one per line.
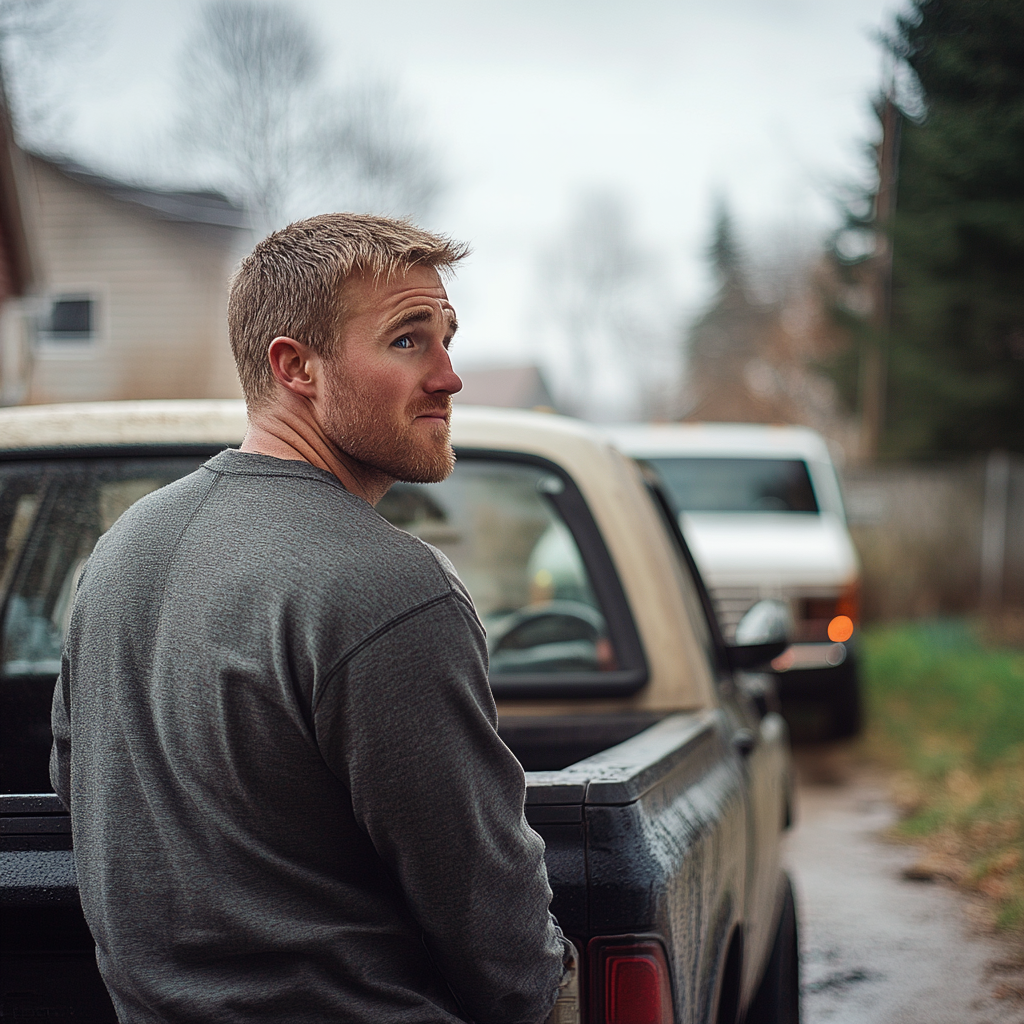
pixel 595 812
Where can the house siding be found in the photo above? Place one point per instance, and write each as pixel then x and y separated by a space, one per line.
pixel 159 289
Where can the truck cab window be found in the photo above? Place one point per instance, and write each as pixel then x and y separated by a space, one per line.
pixel 51 515
pixel 519 560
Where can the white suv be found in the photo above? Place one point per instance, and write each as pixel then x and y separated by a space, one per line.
pixel 761 509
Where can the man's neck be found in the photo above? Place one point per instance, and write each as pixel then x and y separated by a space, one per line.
pixel 281 440
pixel 260 441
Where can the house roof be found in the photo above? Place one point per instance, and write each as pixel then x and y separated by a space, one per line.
pixel 165 204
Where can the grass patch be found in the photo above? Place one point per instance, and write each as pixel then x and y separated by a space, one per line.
pixel 945 704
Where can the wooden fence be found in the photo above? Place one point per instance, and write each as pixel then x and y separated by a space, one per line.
pixel 939 539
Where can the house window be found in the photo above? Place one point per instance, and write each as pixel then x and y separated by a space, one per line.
pixel 70 318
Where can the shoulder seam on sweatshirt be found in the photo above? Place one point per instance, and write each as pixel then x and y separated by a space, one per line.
pixel 375 635
pixel 177 541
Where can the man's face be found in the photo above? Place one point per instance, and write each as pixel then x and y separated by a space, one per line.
pixel 390 381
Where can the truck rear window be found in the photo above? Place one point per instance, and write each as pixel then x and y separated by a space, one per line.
pixel 518 559
pixel 498 520
pixel 51 515
pixel 736 485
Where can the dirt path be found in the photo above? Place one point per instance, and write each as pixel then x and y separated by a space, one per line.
pixel 878 948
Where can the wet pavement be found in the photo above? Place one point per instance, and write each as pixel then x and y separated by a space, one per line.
pixel 878 948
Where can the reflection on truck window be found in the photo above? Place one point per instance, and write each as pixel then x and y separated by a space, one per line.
pixel 519 560
pixel 50 518
pixel 51 515
pixel 737 485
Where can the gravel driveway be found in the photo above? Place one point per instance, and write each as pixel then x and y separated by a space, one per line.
pixel 878 948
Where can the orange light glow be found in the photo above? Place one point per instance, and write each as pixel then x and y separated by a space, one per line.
pixel 849 601
pixel 840 629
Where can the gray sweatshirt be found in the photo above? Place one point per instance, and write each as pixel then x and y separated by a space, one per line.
pixel 275 734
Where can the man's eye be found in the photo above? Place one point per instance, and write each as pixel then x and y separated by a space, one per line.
pixel 403 342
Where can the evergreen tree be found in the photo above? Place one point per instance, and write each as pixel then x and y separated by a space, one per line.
pixel 724 251
pixel 956 355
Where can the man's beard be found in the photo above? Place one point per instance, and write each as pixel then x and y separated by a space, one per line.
pixel 398 449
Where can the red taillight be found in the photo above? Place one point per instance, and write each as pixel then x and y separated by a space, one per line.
pixel 632 991
pixel 631 982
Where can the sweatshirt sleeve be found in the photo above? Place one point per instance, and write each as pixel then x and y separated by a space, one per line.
pixel 60 724
pixel 408 724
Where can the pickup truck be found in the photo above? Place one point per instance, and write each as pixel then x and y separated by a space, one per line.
pixel 657 763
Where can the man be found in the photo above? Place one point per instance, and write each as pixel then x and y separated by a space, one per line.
pixel 273 726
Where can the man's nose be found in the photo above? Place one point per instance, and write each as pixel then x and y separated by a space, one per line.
pixel 444 378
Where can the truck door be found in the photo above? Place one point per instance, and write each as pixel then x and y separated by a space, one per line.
pixel 761 743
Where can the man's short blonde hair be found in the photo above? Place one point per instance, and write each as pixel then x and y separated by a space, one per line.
pixel 291 284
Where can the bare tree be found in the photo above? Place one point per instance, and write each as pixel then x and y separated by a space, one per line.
pixel 781 258
pixel 248 74
pixel 370 146
pixel 756 351
pixel 31 19
pixel 37 38
pixel 255 108
pixel 605 296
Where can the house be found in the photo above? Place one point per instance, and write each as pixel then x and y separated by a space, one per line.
pixel 133 288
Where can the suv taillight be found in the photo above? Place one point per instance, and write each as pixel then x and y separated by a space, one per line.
pixel 828 618
pixel 849 601
pixel 629 982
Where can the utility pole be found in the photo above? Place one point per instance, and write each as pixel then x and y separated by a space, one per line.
pixel 873 365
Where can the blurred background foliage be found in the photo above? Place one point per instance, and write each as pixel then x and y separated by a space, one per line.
pixel 955 344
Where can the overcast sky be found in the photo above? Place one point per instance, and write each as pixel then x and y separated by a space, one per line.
pixel 533 101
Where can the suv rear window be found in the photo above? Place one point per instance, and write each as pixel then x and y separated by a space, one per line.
pixel 736 485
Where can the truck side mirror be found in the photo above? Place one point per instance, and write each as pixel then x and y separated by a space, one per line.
pixel 762 634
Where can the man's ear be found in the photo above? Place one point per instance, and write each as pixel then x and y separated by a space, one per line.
pixel 295 366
